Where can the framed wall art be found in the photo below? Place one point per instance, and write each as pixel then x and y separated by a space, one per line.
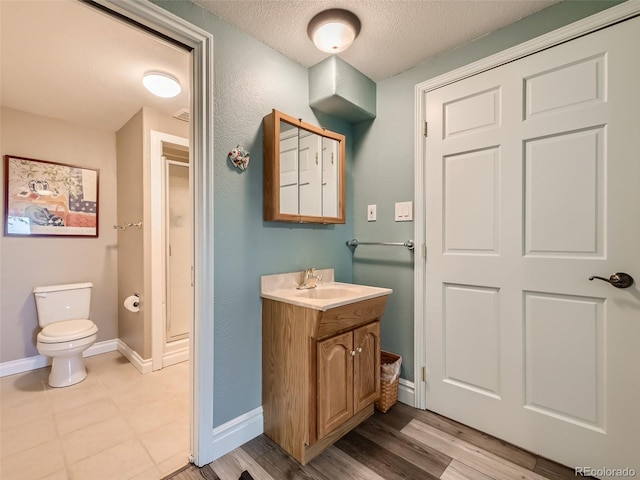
pixel 49 199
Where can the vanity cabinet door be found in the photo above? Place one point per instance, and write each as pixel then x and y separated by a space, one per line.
pixel 335 382
pixel 366 366
pixel 348 375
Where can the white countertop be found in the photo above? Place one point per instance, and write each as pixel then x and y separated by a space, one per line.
pixel 328 294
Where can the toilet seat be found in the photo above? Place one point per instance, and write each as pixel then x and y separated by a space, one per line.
pixel 67 330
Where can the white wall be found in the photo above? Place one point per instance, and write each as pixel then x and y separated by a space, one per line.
pixel 31 261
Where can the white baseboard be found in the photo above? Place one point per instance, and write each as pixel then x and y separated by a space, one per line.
pixel 407 392
pixel 141 364
pixel 169 359
pixel 237 432
pixel 40 361
pixel 101 347
pixel 175 352
pixel 240 430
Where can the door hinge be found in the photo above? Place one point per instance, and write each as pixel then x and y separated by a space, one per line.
pixel 424 374
pixel 426 129
pixel 424 251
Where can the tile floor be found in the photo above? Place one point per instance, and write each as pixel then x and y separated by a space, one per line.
pixel 116 424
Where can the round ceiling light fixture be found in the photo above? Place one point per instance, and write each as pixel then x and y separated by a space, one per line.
pixel 161 84
pixel 333 30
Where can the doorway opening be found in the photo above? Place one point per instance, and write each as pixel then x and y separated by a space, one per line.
pixel 168 26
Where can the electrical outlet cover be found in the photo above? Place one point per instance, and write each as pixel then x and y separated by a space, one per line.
pixel 371 213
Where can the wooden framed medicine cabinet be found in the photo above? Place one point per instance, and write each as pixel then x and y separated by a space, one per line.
pixel 304 171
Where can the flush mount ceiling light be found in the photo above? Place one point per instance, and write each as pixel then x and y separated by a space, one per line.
pixel 333 30
pixel 161 84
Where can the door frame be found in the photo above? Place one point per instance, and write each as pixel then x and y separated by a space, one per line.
pixel 582 27
pixel 168 25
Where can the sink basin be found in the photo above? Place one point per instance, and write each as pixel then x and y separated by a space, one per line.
pixel 328 294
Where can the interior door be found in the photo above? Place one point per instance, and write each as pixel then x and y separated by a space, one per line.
pixel 532 182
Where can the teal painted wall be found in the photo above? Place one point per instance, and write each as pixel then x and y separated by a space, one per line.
pixel 250 80
pixel 383 167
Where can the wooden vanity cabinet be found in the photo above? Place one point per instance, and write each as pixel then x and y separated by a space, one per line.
pixel 320 372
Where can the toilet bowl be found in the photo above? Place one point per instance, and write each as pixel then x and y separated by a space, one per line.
pixel 63 312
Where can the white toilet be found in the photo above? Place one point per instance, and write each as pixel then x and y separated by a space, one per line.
pixel 63 314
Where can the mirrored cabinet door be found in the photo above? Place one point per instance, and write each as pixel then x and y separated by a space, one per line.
pixel 310 174
pixel 304 171
pixel 330 177
pixel 288 169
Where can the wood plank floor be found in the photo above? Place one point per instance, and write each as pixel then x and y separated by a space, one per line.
pixel 404 443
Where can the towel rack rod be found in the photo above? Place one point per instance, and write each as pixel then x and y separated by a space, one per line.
pixel 409 243
pixel 123 226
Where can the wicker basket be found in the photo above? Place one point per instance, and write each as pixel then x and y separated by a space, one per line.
pixel 388 390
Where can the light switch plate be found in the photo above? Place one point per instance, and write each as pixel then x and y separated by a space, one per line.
pixel 404 211
pixel 371 213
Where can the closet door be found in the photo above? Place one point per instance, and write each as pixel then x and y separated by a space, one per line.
pixel 532 181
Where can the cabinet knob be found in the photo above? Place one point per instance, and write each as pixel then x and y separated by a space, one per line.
pixel 353 353
pixel 359 349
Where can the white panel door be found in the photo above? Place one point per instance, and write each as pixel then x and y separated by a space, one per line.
pixel 532 182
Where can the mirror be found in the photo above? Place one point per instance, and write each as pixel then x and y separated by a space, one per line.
pixel 304 174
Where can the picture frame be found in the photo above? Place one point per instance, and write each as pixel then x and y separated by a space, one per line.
pixel 44 198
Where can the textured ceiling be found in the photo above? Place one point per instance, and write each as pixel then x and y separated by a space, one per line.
pixel 64 59
pixel 396 34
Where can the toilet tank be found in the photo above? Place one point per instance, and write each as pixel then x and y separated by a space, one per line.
pixel 56 303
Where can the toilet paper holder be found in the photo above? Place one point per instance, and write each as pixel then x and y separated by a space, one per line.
pixel 132 303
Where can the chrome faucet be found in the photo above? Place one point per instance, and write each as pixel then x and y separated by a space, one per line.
pixel 310 279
